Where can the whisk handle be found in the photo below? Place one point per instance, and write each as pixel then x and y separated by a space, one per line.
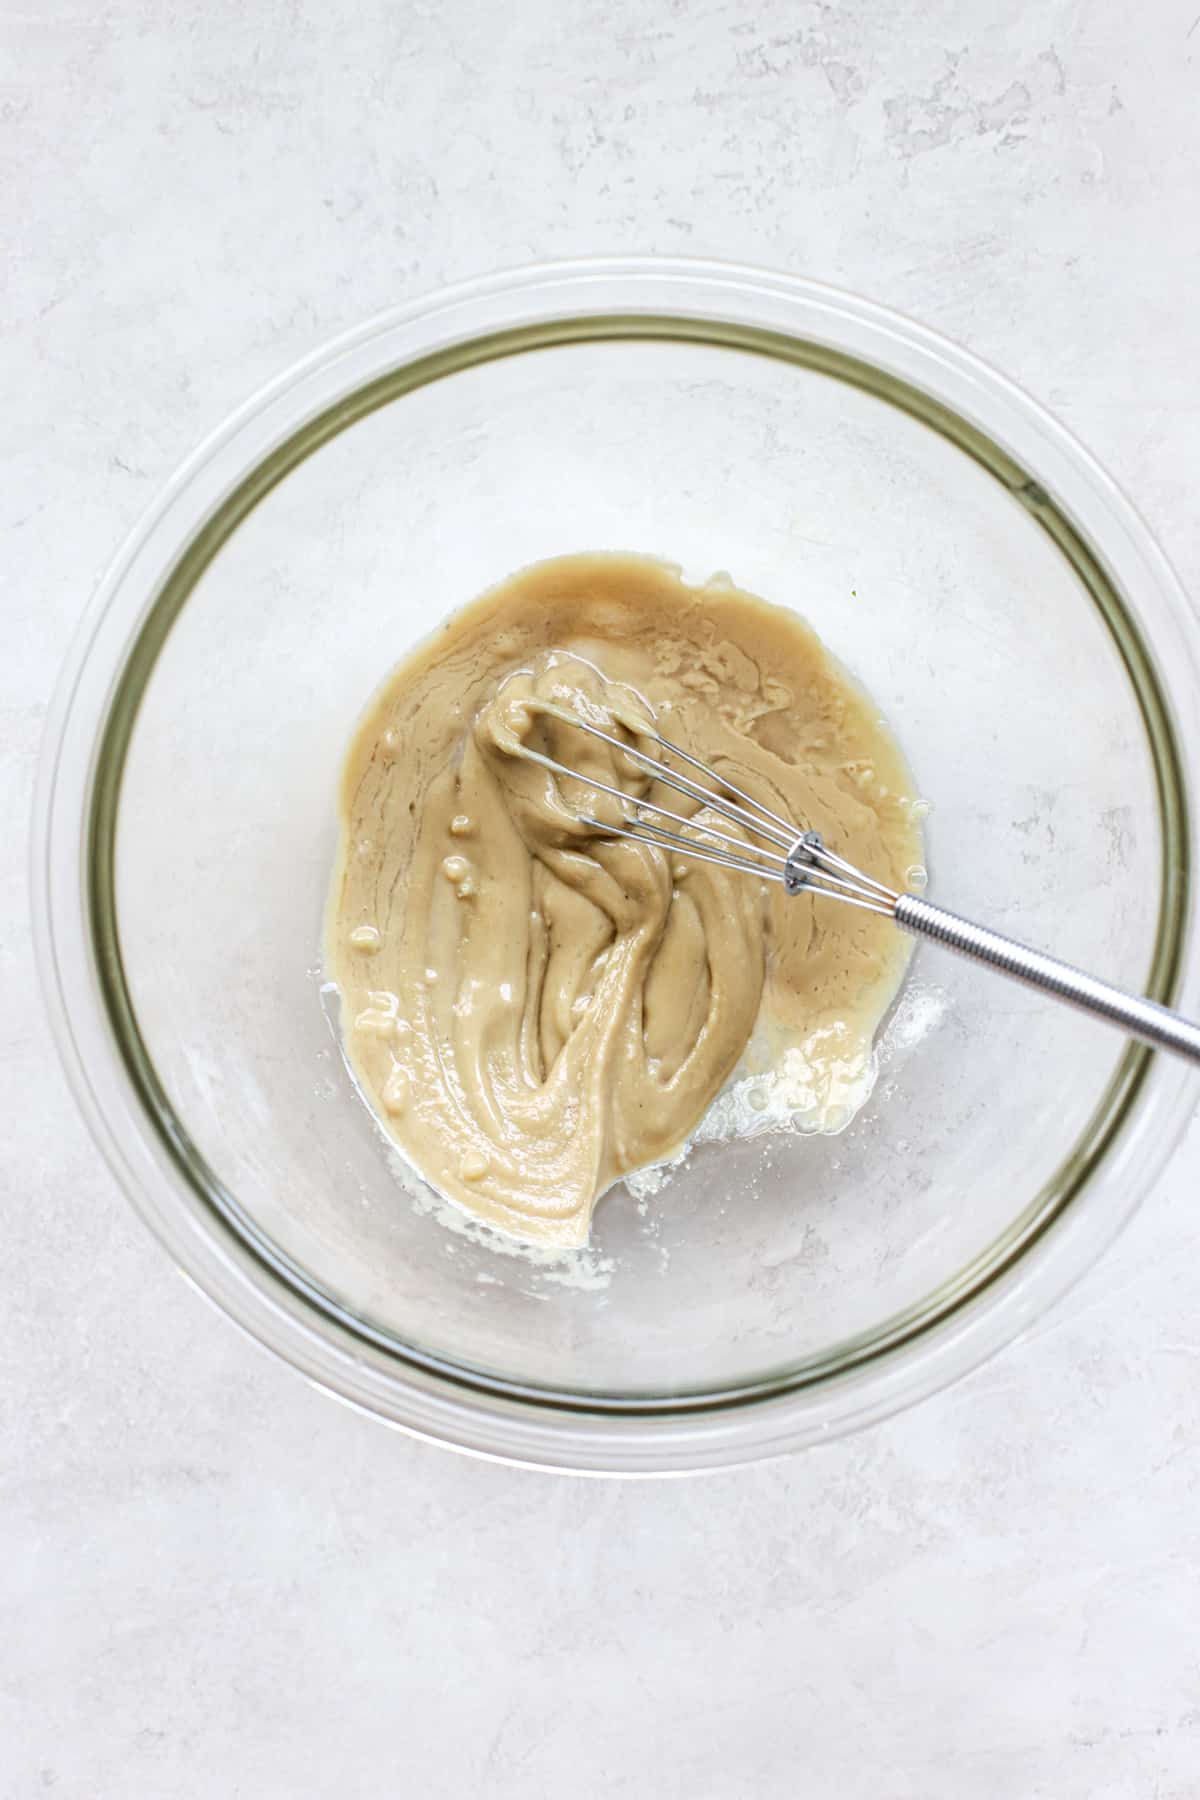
pixel 1145 1020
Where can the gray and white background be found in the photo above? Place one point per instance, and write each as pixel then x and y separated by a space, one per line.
pixel 217 1583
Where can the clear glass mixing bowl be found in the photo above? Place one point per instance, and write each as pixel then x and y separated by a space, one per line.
pixel 954 547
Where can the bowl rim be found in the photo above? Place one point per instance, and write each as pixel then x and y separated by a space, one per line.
pixel 440 1400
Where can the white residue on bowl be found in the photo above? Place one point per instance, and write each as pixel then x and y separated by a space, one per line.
pixel 811 1090
pixel 584 1268
pixel 919 1011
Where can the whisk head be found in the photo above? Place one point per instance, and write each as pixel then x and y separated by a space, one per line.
pixel 765 845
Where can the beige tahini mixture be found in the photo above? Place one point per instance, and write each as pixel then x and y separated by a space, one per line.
pixel 534 1010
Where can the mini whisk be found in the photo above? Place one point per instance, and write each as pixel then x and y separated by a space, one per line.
pixel 778 850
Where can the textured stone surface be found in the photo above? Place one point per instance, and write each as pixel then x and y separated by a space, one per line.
pixel 216 1582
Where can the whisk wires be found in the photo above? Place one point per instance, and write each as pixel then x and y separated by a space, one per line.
pixel 775 849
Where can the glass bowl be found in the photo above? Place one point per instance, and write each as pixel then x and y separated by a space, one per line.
pixel 955 549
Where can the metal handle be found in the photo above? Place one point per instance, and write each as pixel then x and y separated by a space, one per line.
pixel 1145 1020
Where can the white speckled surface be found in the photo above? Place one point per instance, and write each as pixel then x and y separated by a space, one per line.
pixel 219 1583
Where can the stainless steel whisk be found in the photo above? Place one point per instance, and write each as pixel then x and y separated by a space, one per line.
pixel 804 864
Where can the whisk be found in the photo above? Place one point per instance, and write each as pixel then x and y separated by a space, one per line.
pixel 778 850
